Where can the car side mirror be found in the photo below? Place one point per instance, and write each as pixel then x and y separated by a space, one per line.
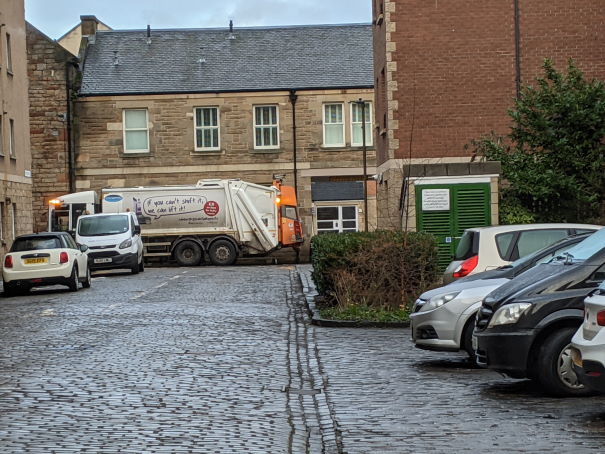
pixel 137 229
pixel 83 248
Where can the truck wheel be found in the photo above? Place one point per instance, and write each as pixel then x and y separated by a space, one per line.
pixel 188 253
pixel 87 281
pixel 554 367
pixel 142 265
pixel 222 253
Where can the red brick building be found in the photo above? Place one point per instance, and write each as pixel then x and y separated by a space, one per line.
pixel 446 71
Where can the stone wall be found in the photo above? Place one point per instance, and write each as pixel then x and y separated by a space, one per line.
pixel 172 159
pixel 47 71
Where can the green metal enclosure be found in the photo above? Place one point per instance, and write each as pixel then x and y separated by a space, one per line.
pixel 446 210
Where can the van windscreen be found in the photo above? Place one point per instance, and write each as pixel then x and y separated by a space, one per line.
pixel 103 225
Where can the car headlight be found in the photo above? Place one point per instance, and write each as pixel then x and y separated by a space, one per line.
pixel 126 243
pixel 438 301
pixel 508 314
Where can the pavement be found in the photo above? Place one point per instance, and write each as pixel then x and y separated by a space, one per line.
pixel 224 360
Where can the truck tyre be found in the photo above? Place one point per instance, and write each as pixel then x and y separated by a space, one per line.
pixel 188 253
pixel 554 367
pixel 134 269
pixel 74 279
pixel 222 253
pixel 87 281
pixel 142 265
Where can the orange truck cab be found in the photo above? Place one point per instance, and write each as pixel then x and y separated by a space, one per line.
pixel 290 227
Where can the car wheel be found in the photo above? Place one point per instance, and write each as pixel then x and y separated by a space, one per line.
pixel 467 340
pixel 74 280
pixel 222 253
pixel 555 368
pixel 188 253
pixel 88 280
pixel 142 265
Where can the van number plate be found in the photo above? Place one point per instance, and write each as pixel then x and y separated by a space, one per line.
pixel 107 260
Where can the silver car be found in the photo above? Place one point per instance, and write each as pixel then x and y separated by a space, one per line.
pixel 443 318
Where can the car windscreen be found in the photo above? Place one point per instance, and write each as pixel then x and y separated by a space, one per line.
pixel 467 247
pixel 34 244
pixel 585 249
pixel 103 225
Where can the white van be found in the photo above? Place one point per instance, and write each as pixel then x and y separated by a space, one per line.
pixel 114 241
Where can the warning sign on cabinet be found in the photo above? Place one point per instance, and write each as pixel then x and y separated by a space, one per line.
pixel 435 200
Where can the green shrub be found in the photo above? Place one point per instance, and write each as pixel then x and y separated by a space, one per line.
pixel 375 269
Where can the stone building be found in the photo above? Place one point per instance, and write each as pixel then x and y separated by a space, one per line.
pixel 52 72
pixel 15 156
pixel 445 73
pixel 175 106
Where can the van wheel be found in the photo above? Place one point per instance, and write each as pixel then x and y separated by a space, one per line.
pixel 142 265
pixel 74 280
pixel 554 367
pixel 9 290
pixel 134 269
pixel 188 253
pixel 222 253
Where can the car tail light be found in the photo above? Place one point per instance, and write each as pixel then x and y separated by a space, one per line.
pixel 8 261
pixel 601 318
pixel 467 266
pixel 63 257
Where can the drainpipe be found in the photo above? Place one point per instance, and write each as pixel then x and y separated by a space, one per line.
pixel 517 48
pixel 71 158
pixel 293 97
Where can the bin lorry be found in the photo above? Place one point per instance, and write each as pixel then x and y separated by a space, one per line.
pixel 215 219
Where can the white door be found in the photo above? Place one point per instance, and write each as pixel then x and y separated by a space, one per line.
pixel 337 219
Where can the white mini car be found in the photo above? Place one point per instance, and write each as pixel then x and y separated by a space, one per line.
pixel 588 344
pixel 48 258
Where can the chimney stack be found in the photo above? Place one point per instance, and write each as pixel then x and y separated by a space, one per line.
pixel 148 34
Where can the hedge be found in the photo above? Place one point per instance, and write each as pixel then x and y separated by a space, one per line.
pixel 375 269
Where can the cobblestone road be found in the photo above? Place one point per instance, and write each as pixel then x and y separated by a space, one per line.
pixel 223 360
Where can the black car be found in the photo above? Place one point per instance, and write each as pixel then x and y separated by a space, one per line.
pixel 524 327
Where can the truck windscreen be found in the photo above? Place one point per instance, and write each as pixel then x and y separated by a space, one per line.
pixel 103 225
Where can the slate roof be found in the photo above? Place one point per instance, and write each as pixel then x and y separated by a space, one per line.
pixel 329 191
pixel 258 59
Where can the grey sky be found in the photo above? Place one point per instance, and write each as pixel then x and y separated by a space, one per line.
pixel 55 17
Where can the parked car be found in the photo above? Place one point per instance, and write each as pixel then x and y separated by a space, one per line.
pixel 588 344
pixel 486 248
pixel 41 259
pixel 114 240
pixel 524 328
pixel 443 319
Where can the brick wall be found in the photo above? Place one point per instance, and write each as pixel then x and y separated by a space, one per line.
pixel 48 109
pixel 454 65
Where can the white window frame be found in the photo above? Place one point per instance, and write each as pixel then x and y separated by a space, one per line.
pixel 337 223
pixel 124 131
pixel 342 125
pixel 12 149
pixel 9 56
pixel 369 125
pixel 276 125
pixel 202 128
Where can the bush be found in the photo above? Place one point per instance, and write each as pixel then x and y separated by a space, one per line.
pixel 382 269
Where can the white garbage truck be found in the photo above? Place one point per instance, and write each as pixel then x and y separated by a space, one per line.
pixel 215 219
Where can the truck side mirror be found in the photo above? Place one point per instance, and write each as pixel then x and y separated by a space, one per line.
pixel 83 248
pixel 137 229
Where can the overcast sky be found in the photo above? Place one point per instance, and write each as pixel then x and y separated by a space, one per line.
pixel 55 17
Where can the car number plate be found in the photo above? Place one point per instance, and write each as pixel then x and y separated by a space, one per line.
pixel 106 260
pixel 474 342
pixel 36 261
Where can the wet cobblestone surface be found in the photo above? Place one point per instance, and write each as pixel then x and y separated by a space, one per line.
pixel 223 360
